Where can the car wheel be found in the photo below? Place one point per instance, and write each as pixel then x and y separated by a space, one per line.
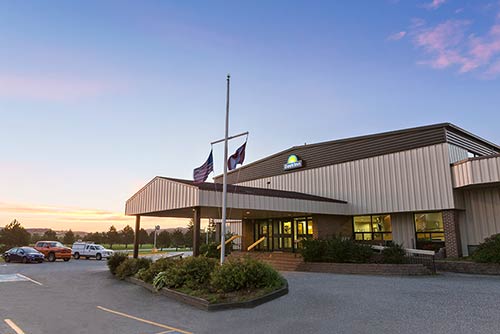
pixel 52 257
pixel 66 259
pixel 25 259
pixel 7 259
pixel 76 255
pixel 98 257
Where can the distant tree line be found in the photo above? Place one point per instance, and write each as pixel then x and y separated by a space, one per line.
pixel 13 235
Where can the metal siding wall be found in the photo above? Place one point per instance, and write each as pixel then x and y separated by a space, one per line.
pixel 403 229
pixel 482 215
pixel 161 194
pixel 253 202
pixel 476 171
pixel 457 153
pixel 421 181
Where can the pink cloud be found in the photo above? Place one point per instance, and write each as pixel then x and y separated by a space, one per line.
pixel 397 36
pixel 447 45
pixel 52 88
pixel 435 4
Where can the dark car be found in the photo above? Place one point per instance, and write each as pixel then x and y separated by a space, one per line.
pixel 23 254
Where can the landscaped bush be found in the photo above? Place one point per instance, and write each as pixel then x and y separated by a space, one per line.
pixel 393 254
pixel 488 251
pixel 210 250
pixel 130 267
pixel 115 260
pixel 191 273
pixel 313 250
pixel 147 275
pixel 246 273
pixel 336 249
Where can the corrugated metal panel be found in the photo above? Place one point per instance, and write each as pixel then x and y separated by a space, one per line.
pixel 252 202
pixel 457 153
pixel 470 144
pixel 403 229
pixel 482 215
pixel 160 195
pixel 329 153
pixel 476 171
pixel 412 180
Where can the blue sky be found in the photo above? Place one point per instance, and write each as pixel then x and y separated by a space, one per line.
pixel 96 98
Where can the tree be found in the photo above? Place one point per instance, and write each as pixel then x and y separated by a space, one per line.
pixel 112 236
pixel 177 238
pixel 50 235
pixel 69 237
pixel 35 237
pixel 127 235
pixel 143 236
pixel 163 239
pixel 14 235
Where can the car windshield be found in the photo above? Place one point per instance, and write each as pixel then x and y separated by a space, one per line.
pixel 56 244
pixel 29 250
pixel 98 247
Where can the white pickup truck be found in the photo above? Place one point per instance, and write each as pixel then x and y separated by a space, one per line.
pixel 88 250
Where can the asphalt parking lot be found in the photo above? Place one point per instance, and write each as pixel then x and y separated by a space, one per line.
pixel 82 297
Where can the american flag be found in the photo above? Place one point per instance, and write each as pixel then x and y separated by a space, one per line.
pixel 200 174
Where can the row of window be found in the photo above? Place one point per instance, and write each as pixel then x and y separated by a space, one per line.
pixel 428 227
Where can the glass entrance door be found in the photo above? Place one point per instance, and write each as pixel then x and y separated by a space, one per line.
pixel 283 236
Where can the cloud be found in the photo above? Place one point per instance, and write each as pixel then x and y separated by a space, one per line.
pixel 397 36
pixel 435 4
pixel 450 44
pixel 53 88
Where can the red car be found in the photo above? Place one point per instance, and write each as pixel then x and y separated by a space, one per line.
pixel 53 250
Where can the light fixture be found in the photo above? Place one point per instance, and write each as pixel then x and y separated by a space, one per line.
pixel 248 212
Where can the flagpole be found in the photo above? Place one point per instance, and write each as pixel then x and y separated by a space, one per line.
pixel 224 182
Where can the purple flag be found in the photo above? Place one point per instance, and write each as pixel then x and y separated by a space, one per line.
pixel 237 158
pixel 200 174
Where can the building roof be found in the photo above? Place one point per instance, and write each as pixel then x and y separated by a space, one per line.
pixel 361 147
pixel 168 197
pixel 235 189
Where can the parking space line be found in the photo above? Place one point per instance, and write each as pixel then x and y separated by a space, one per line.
pixel 170 328
pixel 14 326
pixel 29 279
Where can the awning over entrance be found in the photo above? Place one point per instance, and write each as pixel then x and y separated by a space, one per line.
pixel 167 197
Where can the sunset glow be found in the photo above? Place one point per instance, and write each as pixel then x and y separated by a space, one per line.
pixel 64 218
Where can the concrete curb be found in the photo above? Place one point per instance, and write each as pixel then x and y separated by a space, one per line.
pixel 203 304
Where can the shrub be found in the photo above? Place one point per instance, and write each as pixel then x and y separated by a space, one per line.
pixel 191 272
pixel 246 273
pixel 210 250
pixel 336 249
pixel 147 275
pixel 393 254
pixel 115 260
pixel 130 267
pixel 488 251
pixel 313 250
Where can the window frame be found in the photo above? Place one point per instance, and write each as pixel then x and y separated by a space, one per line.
pixel 372 234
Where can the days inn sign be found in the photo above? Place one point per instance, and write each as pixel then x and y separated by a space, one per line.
pixel 292 162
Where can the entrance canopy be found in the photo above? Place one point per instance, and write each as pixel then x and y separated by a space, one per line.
pixel 167 197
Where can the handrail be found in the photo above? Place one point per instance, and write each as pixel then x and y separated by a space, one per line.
pixel 252 246
pixel 230 239
pixel 409 250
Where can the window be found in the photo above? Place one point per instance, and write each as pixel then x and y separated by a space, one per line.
pixel 429 226
pixel 376 227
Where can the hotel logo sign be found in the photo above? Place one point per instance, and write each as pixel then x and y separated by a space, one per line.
pixel 293 162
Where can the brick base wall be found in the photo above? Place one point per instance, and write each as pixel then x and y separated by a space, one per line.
pixel 451 234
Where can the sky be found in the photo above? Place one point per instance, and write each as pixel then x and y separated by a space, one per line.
pixel 99 97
